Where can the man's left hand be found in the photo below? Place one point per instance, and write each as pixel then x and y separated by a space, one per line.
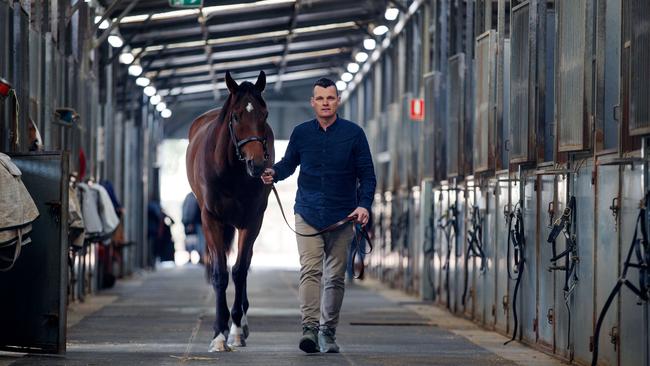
pixel 361 214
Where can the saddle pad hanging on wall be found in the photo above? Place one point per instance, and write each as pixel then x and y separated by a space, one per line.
pixel 17 210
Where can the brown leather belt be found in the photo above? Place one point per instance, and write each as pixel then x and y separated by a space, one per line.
pixel 359 234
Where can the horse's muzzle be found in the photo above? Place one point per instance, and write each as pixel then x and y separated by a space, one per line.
pixel 254 170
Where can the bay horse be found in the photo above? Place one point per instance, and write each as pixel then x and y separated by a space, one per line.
pixel 228 150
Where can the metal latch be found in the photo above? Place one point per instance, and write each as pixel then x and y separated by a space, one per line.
pixel 551 213
pixel 613 336
pixel 550 315
pixel 505 304
pixel 615 208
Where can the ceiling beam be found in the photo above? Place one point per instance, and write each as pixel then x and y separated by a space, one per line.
pixel 287 44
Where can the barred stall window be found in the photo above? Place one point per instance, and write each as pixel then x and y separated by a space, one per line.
pixel 521 148
pixel 456 115
pixel 640 48
pixel 484 131
pixel 570 103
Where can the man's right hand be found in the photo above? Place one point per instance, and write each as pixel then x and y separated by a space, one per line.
pixel 267 176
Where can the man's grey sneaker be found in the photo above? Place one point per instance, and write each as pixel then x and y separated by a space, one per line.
pixel 327 341
pixel 308 342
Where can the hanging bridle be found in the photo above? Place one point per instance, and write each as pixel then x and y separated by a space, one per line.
pixel 239 144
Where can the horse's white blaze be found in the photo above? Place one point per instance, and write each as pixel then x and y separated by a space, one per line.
pixel 249 107
pixel 218 344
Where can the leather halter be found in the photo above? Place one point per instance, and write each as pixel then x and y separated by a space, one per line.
pixel 240 143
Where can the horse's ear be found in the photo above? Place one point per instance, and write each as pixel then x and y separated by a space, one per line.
pixel 231 83
pixel 260 84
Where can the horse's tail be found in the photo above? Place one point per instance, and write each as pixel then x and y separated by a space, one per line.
pixel 212 253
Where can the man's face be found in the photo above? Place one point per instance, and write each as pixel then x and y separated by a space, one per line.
pixel 325 101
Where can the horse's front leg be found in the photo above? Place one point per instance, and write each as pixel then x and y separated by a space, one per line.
pixel 239 327
pixel 218 237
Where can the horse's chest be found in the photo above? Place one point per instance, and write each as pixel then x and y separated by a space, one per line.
pixel 235 205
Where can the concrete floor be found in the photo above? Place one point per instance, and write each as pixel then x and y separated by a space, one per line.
pixel 165 318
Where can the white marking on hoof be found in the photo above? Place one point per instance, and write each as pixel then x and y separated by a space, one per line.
pixel 218 344
pixel 244 326
pixel 249 107
pixel 236 336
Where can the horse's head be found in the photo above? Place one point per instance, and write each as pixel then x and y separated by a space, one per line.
pixel 246 119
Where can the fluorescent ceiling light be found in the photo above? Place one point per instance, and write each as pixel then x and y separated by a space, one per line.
pixel 251 63
pixel 369 44
pixel 353 67
pixel 142 81
pixel 341 85
pixel 380 30
pixel 361 57
pixel 155 99
pixel 135 70
pixel 115 40
pixel 150 91
pixel 126 58
pixel 347 77
pixel 391 14
pixel 237 39
pixel 206 10
pixel 161 106
pixel 166 113
pixel 209 87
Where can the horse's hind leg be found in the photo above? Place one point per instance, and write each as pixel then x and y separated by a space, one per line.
pixel 218 237
pixel 239 328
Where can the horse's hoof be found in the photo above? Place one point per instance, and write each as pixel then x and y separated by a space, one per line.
pixel 244 326
pixel 236 336
pixel 236 341
pixel 218 344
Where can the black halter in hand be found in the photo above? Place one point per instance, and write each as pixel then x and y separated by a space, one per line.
pixel 240 144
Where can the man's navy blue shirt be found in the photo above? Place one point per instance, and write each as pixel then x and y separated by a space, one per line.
pixel 331 163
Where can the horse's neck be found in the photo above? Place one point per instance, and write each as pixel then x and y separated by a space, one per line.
pixel 223 154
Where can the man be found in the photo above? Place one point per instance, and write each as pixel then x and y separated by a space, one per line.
pixel 194 239
pixel 334 157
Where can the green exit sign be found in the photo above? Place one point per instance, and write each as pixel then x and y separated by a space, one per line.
pixel 185 3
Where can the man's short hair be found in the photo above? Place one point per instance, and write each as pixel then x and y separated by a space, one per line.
pixel 326 83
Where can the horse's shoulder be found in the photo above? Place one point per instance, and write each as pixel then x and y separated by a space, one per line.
pixel 203 119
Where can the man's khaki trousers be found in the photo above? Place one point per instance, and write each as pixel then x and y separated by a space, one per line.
pixel 328 250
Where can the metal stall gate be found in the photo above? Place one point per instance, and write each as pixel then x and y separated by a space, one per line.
pixel 33 310
pixel 527 296
pixel 503 207
pixel 630 341
pixel 582 312
pixel 606 253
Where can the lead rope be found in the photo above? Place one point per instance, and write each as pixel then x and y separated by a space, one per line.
pixel 640 248
pixel 564 224
pixel 518 240
pixel 474 246
pixel 357 237
pixel 450 222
